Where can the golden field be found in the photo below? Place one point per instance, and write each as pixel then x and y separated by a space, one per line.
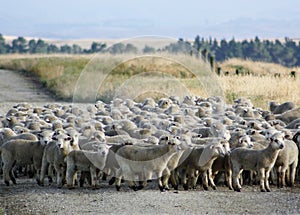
pixel 105 76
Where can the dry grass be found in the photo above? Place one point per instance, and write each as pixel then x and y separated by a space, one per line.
pixel 261 90
pixel 91 77
pixel 256 68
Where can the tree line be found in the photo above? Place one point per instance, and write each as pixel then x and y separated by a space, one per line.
pixel 285 52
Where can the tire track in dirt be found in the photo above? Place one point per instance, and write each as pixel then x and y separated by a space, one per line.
pixel 18 87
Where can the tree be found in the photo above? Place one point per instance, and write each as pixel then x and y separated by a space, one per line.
pixel 19 45
pixel 31 46
pixel 66 49
pixel 52 49
pixel 41 47
pixel 117 48
pixel 3 48
pixel 148 49
pixel 76 49
pixel 97 47
pixel 131 48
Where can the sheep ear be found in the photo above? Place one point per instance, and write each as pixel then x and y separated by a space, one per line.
pixel 240 140
pixel 206 155
pixel 271 139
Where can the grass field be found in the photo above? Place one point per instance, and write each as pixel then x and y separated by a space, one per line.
pixel 104 76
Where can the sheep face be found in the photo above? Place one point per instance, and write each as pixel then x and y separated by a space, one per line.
pixel 219 149
pixel 219 130
pixel 245 142
pixel 74 139
pixel 45 137
pixel 277 140
pixel 63 142
pixel 174 144
pixel 226 146
pixel 102 150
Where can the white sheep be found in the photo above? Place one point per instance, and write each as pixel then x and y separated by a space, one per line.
pixel 23 152
pixel 54 155
pixel 83 160
pixel 198 160
pixel 261 161
pixel 139 163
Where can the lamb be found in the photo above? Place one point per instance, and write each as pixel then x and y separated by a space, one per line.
pixel 22 152
pixel 143 161
pixel 295 124
pixel 84 160
pixel 9 134
pixel 261 161
pixel 280 108
pixel 54 154
pixel 289 116
pixel 287 157
pixel 174 160
pixel 199 159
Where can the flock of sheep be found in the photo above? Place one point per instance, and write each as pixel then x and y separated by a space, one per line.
pixel 178 143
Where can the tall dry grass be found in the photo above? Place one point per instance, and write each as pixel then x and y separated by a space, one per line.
pixel 92 77
pixel 261 90
pixel 256 68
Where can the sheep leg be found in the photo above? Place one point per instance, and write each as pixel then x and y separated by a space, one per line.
pixel 93 173
pixel 262 178
pixel 160 183
pixel 165 178
pixel 293 173
pixel 60 175
pixel 69 176
pixel 7 172
pixel 267 180
pixel 118 179
pixel 212 183
pixel 174 179
pixel 228 178
pixel 44 168
pixel 185 180
pixel 235 179
pixel 50 173
pixel 205 180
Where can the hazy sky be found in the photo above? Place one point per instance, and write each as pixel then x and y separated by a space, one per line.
pixel 120 18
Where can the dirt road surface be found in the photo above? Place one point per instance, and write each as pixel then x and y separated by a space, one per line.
pixel 28 198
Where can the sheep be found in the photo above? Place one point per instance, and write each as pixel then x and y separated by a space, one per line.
pixel 9 134
pixel 294 124
pixel 143 161
pixel 22 152
pixel 261 161
pixel 223 163
pixel 112 166
pixel 289 115
pixel 54 154
pixel 84 160
pixel 287 157
pixel 199 159
pixel 280 108
pixel 174 160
